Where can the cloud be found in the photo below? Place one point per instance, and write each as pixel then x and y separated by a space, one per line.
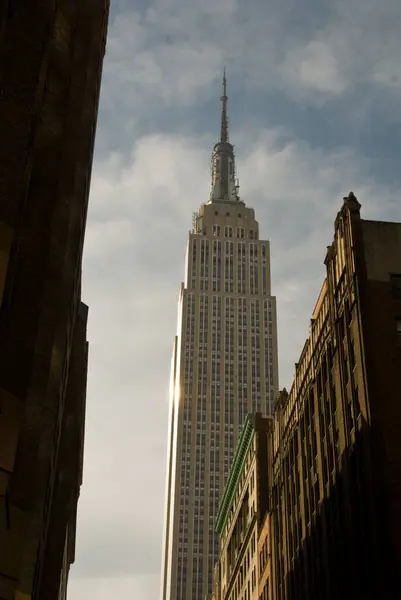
pixel 317 69
pixel 173 51
pixel 104 588
pixel 155 54
pixel 357 46
pixel 329 72
pixel 140 214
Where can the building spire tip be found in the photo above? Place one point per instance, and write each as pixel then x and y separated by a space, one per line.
pixel 224 119
pixel 224 183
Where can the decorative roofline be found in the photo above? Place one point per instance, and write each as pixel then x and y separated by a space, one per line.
pixel 247 435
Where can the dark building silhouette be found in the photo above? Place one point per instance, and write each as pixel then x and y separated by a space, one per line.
pixel 335 498
pixel 51 55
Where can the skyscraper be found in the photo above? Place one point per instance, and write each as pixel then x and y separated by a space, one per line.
pixel 224 366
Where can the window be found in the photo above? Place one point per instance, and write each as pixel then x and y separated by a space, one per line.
pixel 357 403
pixel 240 232
pixel 216 230
pixel 6 235
pixel 228 231
pixel 399 332
pixel 352 355
pixel 396 286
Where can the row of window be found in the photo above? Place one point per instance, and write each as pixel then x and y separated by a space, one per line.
pixel 222 250
pixel 228 232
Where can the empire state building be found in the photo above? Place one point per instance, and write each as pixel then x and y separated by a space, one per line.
pixel 224 366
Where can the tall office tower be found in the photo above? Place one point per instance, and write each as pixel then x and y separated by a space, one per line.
pixel 224 366
pixel 51 56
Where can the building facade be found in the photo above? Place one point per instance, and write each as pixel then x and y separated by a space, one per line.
pixel 335 494
pixel 51 56
pixel 242 512
pixel 224 366
pixel 266 580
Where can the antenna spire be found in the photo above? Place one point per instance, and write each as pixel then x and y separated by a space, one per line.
pixel 224 183
pixel 224 119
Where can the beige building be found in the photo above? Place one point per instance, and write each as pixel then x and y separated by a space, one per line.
pixel 265 551
pixel 336 460
pixel 242 513
pixel 224 367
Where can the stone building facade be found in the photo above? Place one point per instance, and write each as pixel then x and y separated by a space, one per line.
pixel 51 56
pixel 242 510
pixel 265 551
pixel 335 496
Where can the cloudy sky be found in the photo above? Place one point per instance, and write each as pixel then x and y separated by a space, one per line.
pixel 314 106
